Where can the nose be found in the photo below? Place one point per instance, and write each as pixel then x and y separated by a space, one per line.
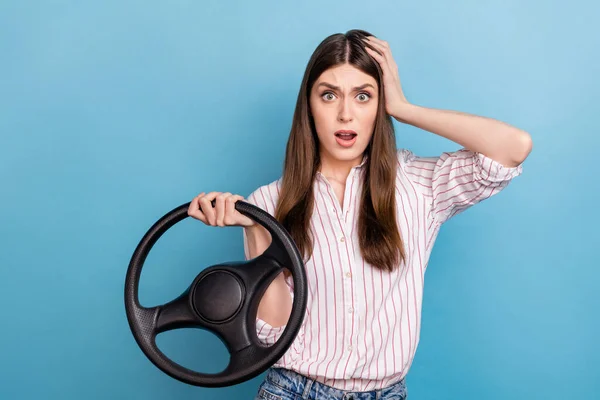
pixel 344 112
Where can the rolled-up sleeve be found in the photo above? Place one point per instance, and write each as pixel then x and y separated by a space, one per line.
pixel 265 199
pixel 456 180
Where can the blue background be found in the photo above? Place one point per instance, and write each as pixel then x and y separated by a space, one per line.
pixel 113 113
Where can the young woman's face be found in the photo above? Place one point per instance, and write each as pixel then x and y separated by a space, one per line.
pixel 344 98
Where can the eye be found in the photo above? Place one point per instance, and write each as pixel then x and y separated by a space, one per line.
pixel 325 94
pixel 364 94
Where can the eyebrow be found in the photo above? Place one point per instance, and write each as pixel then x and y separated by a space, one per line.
pixel 329 85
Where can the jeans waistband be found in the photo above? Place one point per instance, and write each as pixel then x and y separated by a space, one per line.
pixel 310 388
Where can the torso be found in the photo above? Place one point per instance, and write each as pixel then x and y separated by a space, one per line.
pixel 350 303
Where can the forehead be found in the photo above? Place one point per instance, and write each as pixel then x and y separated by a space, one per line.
pixel 346 76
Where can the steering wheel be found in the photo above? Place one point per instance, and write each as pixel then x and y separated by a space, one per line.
pixel 223 299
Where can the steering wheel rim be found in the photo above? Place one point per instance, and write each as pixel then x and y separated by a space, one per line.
pixel 234 289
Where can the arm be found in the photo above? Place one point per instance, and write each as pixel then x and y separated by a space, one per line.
pixel 501 142
pixel 276 304
pixel 493 151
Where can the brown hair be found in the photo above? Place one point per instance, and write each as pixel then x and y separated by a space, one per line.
pixel 379 236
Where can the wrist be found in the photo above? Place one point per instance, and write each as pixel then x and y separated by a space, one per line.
pixel 253 226
pixel 403 111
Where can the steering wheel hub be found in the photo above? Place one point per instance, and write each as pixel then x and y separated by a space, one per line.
pixel 225 295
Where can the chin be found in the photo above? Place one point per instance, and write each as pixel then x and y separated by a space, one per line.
pixel 347 155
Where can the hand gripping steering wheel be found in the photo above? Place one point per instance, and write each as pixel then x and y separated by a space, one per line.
pixel 223 299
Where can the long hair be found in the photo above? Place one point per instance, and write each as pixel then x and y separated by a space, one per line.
pixel 379 236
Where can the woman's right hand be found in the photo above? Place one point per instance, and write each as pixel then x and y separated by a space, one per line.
pixel 224 212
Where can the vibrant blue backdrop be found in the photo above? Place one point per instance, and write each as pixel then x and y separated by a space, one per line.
pixel 112 113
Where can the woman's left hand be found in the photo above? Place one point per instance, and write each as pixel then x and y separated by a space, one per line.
pixel 394 97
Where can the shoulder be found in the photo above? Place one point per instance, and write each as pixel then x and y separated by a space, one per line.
pixel 405 156
pixel 405 159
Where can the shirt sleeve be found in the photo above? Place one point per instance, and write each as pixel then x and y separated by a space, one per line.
pixel 456 180
pixel 264 199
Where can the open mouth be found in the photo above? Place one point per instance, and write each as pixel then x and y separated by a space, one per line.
pixel 345 139
pixel 346 136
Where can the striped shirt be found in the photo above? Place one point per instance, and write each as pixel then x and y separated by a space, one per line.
pixel 361 327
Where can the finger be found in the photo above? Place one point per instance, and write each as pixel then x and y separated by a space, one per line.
pixel 377 40
pixel 387 66
pixel 375 53
pixel 198 213
pixel 207 208
pixel 200 216
pixel 380 59
pixel 384 48
pixel 373 49
pixel 194 207
pixel 230 209
pixel 378 45
pixel 382 45
pixel 220 208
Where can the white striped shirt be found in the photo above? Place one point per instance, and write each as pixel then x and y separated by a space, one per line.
pixel 361 327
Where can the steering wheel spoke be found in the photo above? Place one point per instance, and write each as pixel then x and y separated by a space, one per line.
pixel 258 273
pixel 177 314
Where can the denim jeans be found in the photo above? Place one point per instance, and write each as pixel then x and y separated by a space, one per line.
pixel 284 384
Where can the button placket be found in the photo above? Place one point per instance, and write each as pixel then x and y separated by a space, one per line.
pixel 347 260
pixel 346 256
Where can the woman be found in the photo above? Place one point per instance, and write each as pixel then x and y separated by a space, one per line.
pixel 365 216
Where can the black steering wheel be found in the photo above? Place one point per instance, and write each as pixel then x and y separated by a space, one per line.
pixel 223 299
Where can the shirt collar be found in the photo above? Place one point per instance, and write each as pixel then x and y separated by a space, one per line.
pixel 359 166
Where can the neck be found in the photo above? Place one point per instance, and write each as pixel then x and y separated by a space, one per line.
pixel 338 169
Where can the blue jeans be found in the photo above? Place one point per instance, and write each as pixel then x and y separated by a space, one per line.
pixel 284 384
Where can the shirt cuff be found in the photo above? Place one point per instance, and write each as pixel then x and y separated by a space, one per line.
pixel 266 333
pixel 488 169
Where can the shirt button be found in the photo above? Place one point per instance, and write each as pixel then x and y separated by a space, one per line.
pixel 342 239
pixel 349 348
pixel 348 274
pixel 350 310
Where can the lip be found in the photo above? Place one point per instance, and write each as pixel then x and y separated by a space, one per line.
pixel 345 143
pixel 345 131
